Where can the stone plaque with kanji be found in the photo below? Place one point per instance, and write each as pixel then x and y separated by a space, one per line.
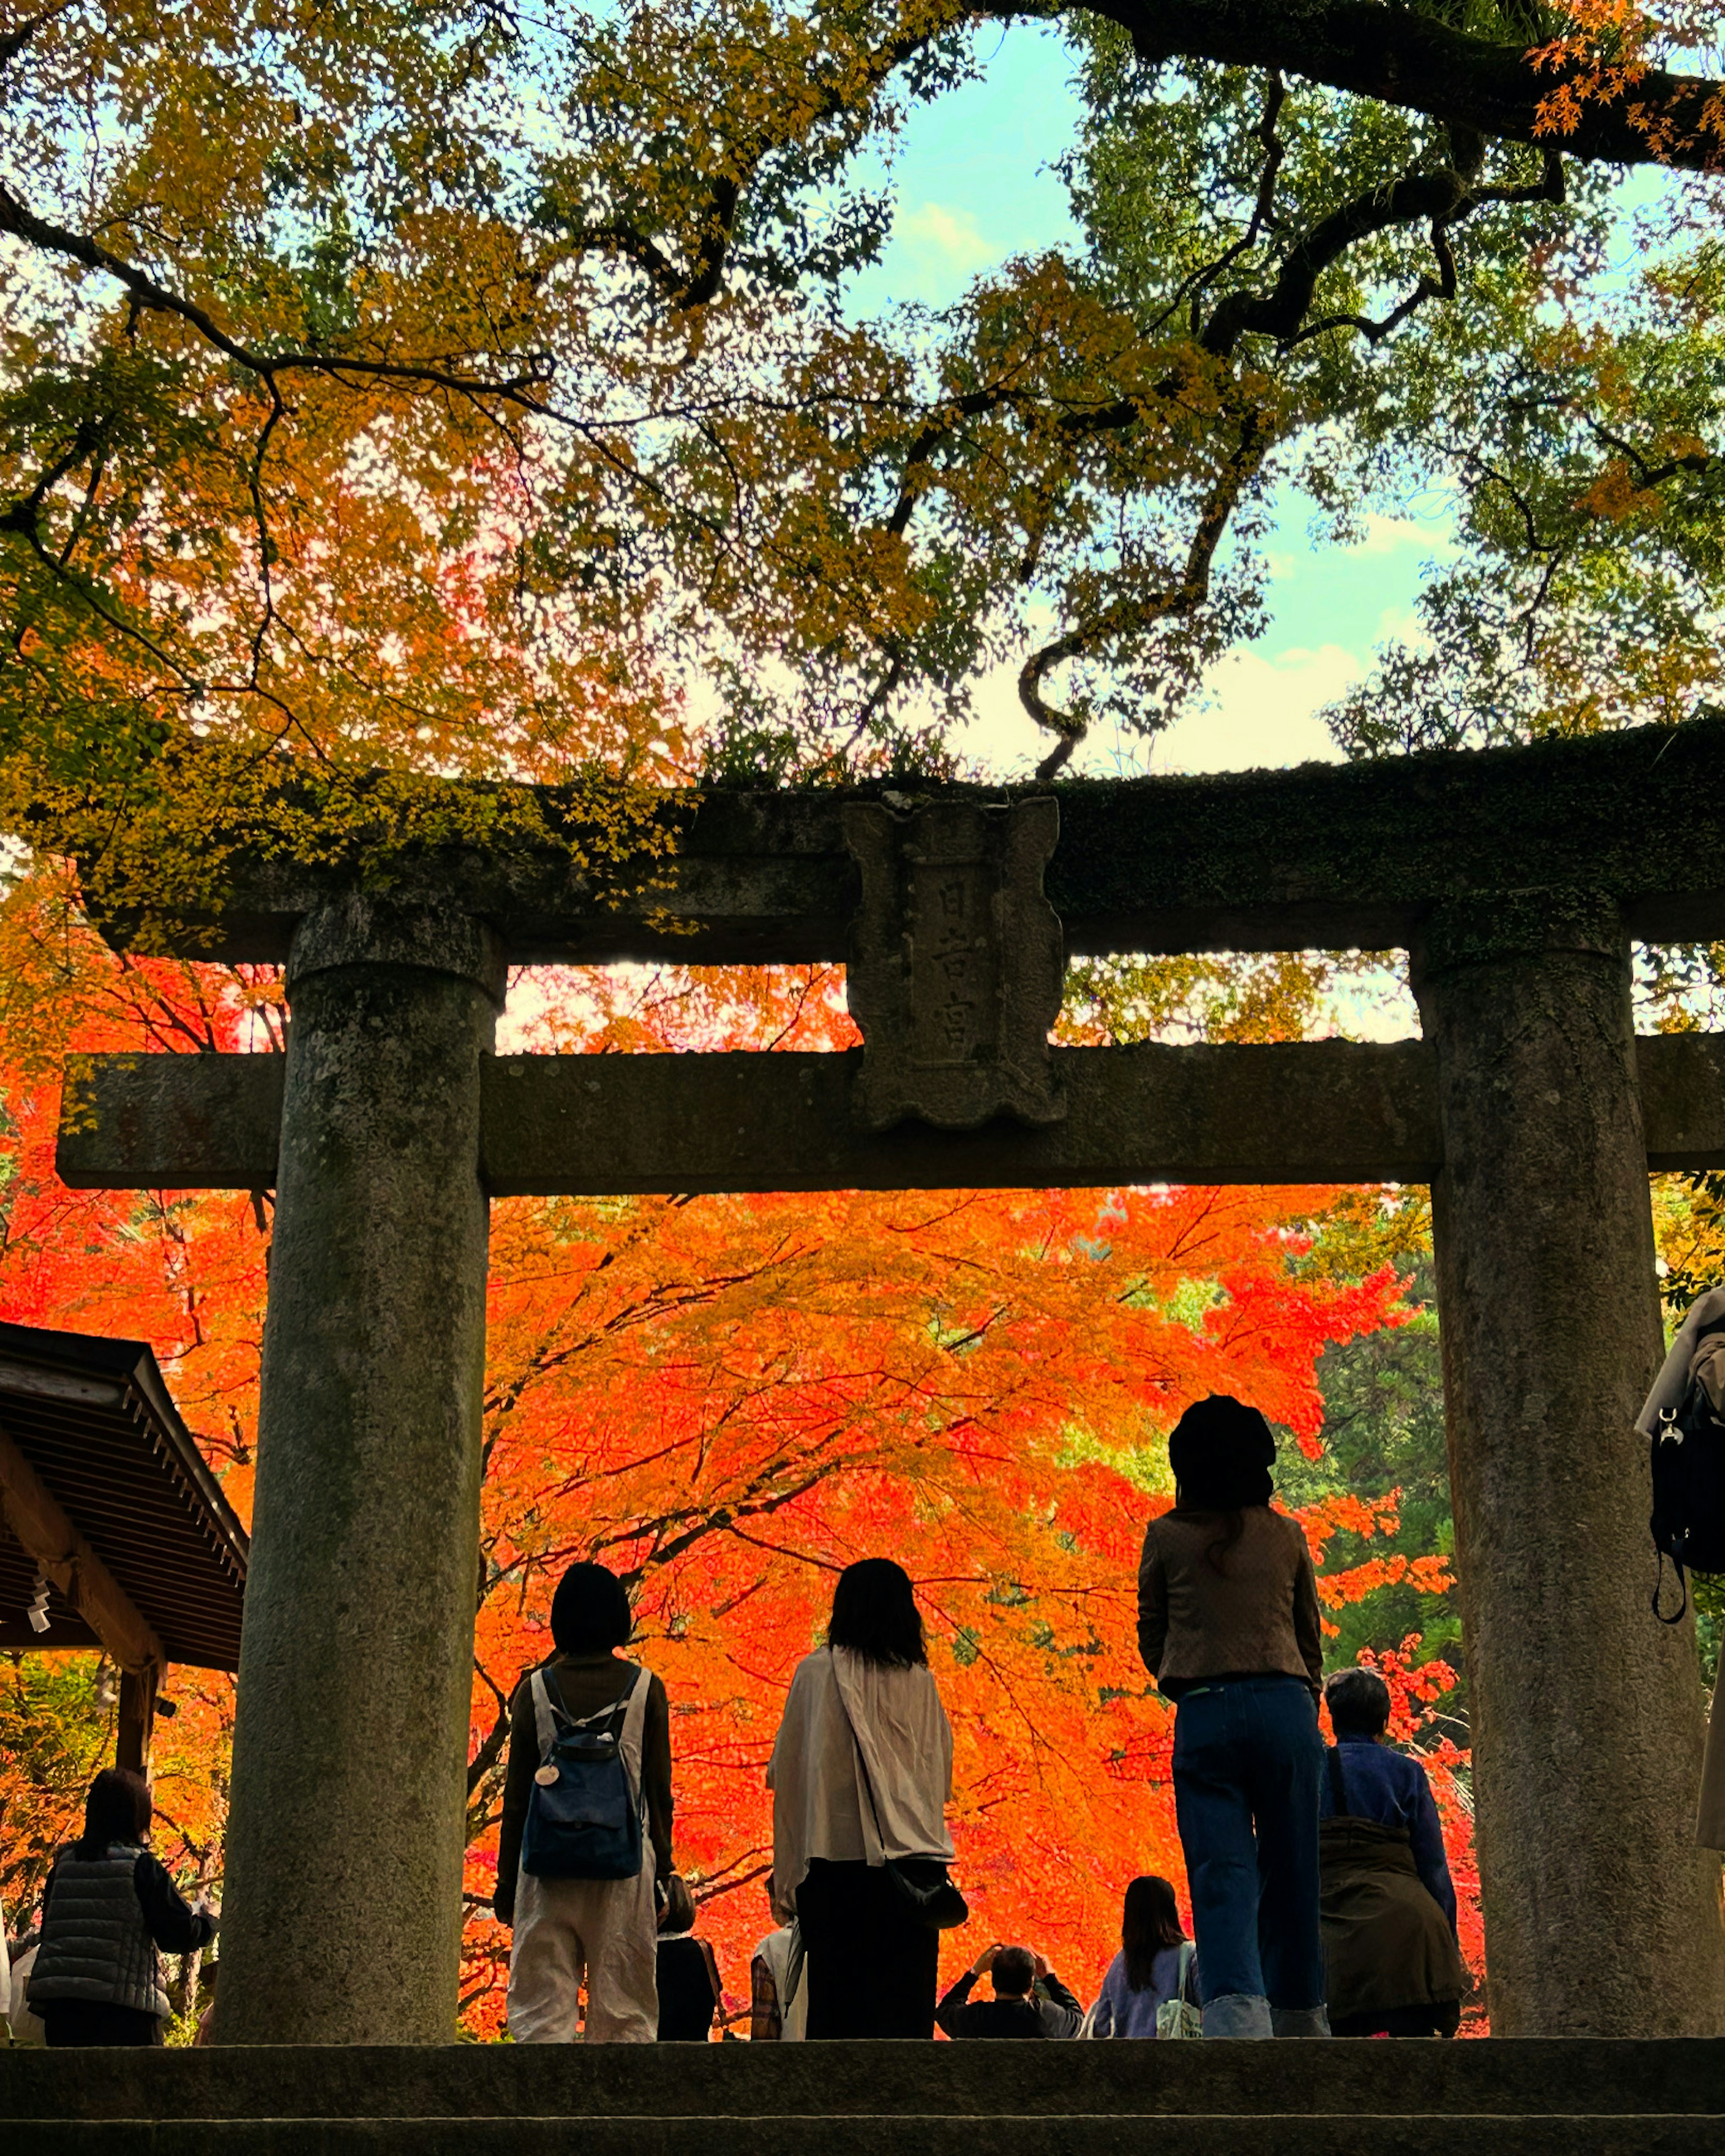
pixel 957 963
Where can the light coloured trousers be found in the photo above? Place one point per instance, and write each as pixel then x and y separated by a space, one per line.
pixel 606 1929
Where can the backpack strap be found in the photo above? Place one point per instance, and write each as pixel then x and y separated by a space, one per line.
pixel 1676 1615
pixel 544 1725
pixel 1338 1787
pixel 549 1710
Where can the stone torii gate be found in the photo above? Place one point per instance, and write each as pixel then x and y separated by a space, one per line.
pixel 1516 879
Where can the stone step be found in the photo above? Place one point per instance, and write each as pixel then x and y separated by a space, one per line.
pixel 901 2133
pixel 1540 2079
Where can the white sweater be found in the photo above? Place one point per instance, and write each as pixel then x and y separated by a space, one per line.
pixel 820 1807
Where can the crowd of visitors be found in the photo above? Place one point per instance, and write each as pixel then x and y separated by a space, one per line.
pixel 1322 1902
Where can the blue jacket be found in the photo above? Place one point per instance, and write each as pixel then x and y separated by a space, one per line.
pixel 1392 1789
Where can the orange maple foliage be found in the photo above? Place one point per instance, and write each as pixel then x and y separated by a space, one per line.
pixel 728 1398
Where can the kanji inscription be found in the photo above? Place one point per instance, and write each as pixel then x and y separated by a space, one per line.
pixel 957 963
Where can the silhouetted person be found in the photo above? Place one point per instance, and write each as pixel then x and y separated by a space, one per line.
pixel 108 1911
pixel 1227 1626
pixel 689 1988
pixel 1029 1999
pixel 860 1772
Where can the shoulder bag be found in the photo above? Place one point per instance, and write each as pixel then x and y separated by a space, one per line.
pixel 1181 2016
pixel 924 1882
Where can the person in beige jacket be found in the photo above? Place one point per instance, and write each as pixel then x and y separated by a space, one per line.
pixel 1227 1626
pixel 861 1774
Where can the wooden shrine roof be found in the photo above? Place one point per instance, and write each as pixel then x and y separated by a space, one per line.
pixel 95 1420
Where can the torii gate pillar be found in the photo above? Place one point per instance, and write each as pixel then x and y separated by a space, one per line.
pixel 1602 1917
pixel 356 1660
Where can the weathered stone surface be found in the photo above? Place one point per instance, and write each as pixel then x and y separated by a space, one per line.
pixel 605 1125
pixel 1602 1918
pixel 1682 1087
pixel 611 1126
pixel 1261 2088
pixel 1127 2135
pixel 346 1832
pixel 957 966
pixel 175 1122
pixel 1323 857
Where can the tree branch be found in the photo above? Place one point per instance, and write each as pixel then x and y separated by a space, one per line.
pixel 148 296
pixel 1402 58
pixel 1133 611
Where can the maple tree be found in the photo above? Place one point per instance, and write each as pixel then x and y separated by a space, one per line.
pixel 400 390
pixel 727 1399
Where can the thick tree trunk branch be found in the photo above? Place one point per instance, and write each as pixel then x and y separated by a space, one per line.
pixel 1400 58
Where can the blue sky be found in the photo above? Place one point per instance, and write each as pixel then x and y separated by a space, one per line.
pixel 974 185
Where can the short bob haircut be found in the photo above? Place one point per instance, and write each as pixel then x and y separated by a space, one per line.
pixel 875 1614
pixel 590 1613
pixel 1013 1972
pixel 1358 1701
pixel 118 1809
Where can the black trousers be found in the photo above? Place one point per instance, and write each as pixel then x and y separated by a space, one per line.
pixel 1402 2021
pixel 871 1964
pixel 68 2021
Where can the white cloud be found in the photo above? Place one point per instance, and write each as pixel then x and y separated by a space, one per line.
pixel 1389 535
pixel 935 251
pixel 1262 712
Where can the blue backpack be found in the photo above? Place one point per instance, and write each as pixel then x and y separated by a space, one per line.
pixel 584 1816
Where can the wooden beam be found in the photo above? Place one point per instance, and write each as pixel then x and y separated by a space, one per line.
pixel 1324 857
pixel 40 1525
pixel 137 1718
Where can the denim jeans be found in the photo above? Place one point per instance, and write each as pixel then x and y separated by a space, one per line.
pixel 1248 1758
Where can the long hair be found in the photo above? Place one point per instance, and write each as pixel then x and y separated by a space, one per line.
pixel 1221 1452
pixel 117 1809
pixel 1149 1924
pixel 875 1614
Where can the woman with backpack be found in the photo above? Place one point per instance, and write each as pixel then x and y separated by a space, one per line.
pixel 1155 1964
pixel 860 1776
pixel 584 1856
pixel 1227 1626
pixel 108 1911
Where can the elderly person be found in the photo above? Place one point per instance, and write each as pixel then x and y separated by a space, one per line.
pixel 1393 1966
